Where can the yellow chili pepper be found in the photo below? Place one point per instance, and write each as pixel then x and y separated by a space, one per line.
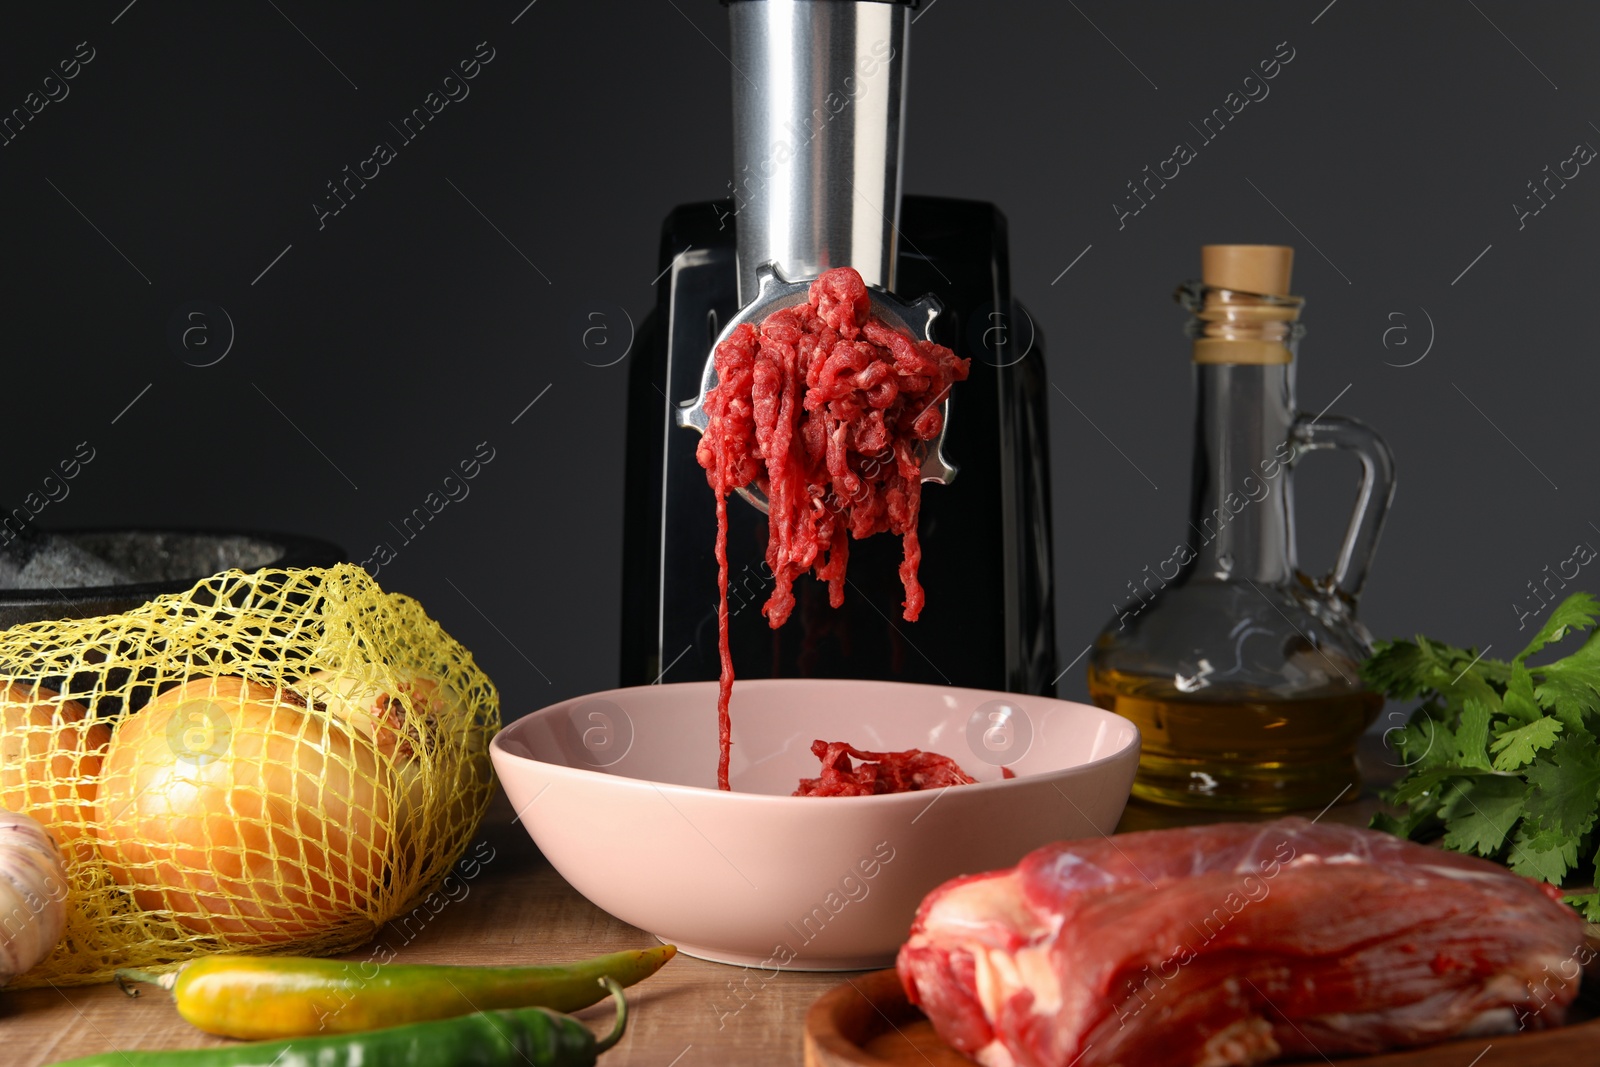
pixel 256 997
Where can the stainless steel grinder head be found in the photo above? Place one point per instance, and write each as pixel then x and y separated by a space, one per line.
pixel 819 93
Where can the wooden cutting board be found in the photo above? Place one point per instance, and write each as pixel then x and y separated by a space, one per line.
pixel 867 1022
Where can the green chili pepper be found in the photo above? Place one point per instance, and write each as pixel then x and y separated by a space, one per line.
pixel 526 1037
pixel 257 997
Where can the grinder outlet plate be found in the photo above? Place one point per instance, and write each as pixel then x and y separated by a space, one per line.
pixel 774 293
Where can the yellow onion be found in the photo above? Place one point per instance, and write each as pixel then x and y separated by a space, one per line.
pixel 395 722
pixel 390 719
pixel 50 755
pixel 241 813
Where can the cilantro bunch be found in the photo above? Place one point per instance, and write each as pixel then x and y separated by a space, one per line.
pixel 1500 757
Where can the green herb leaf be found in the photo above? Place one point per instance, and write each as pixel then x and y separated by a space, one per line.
pixel 1572 685
pixel 1517 748
pixel 1398 668
pixel 1407 669
pixel 1566 788
pixel 1406 825
pixel 1482 824
pixel 1519 702
pixel 1472 735
pixel 1501 757
pixel 1424 742
pixel 1546 855
pixel 1453 799
pixel 1429 784
pixel 1577 612
pixel 1585 904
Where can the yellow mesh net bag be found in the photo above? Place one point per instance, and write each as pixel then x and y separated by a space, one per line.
pixel 279 761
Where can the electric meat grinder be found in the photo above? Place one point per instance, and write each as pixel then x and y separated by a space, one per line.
pixel 819 91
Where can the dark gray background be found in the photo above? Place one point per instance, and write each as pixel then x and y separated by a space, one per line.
pixel 454 290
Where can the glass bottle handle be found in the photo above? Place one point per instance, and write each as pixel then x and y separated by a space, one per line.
pixel 1313 432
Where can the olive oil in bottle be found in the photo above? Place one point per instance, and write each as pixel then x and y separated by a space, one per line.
pixel 1240 750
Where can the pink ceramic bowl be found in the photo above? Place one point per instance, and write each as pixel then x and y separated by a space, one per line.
pixel 618 790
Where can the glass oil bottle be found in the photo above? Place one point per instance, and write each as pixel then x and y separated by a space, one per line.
pixel 1240 670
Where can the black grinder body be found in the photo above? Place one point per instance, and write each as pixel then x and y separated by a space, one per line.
pixel 989 621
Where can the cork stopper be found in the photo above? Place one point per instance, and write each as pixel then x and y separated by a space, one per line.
pixel 1243 310
pixel 1261 269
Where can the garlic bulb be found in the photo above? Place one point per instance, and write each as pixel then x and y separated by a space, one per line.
pixel 33 895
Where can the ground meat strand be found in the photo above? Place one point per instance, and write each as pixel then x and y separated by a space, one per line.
pixel 824 408
pixel 879 772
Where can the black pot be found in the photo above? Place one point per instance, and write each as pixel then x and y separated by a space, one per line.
pixel 159 561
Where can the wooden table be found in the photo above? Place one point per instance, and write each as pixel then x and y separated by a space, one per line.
pixel 519 910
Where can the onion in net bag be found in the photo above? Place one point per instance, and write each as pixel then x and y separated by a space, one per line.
pixel 276 761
